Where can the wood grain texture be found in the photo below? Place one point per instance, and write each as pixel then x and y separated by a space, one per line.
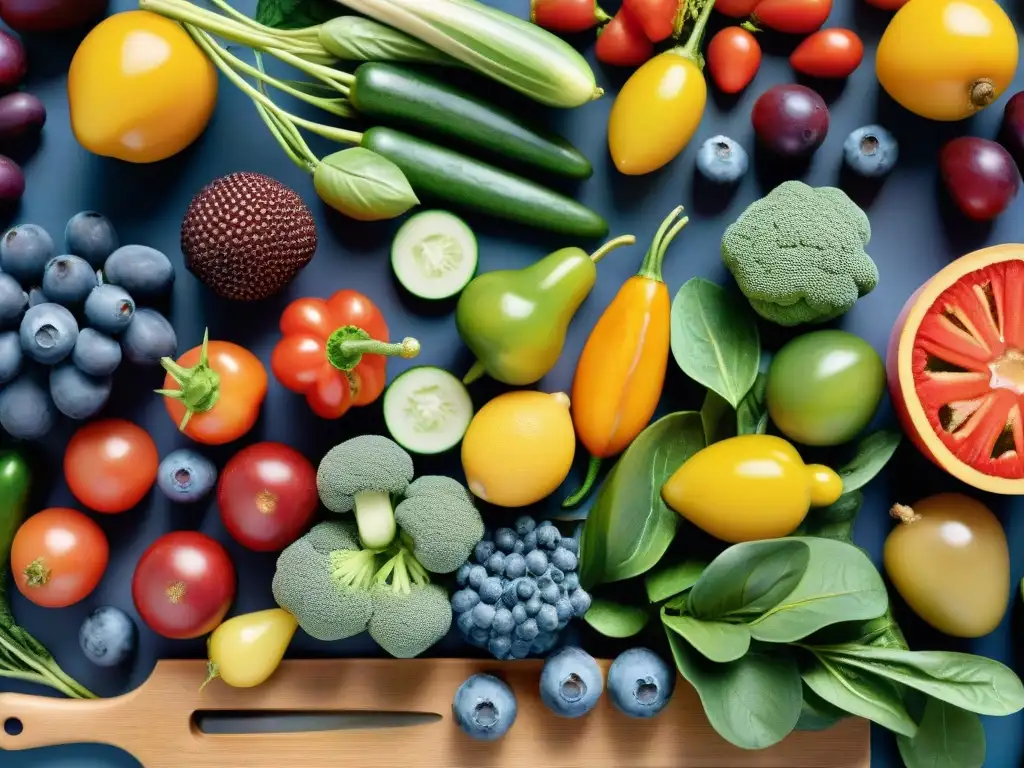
pixel 155 724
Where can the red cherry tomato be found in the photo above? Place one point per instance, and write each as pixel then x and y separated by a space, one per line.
pixel 828 53
pixel 622 42
pixel 656 17
pixel 888 5
pixel 184 585
pixel 110 465
pixel 267 496
pixel 735 9
pixel 734 57
pixel 794 17
pixel 58 557
pixel 567 16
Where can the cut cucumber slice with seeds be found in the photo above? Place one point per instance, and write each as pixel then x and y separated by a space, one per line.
pixel 434 255
pixel 427 410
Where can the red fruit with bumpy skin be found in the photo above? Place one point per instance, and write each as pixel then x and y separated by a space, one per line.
pixel 791 120
pixel 828 53
pixel 733 58
pixel 1011 133
pixel 980 176
pixel 794 17
pixel 567 16
pixel 622 42
pixel 657 17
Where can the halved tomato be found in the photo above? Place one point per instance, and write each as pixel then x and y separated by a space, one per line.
pixel 955 368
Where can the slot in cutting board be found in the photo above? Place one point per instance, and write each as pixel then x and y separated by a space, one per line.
pixel 157 724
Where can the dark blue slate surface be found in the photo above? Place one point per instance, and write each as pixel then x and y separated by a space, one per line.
pixel 915 234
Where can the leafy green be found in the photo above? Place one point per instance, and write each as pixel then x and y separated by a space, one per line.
pixel 715 339
pixel 872 454
pixel 295 14
pixel 752 412
pixel 817 714
pixel 671 580
pixel 629 528
pixel 716 640
pixel 947 737
pixel 363 185
pixel 834 521
pixel 613 619
pixel 718 418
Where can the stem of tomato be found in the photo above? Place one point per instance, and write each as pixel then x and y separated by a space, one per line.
pixel 691 49
pixel 347 345
pixel 655 257
pixel 200 384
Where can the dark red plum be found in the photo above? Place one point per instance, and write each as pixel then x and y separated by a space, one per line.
pixel 1011 133
pixel 980 175
pixel 49 15
pixel 13 62
pixel 790 120
pixel 21 115
pixel 12 181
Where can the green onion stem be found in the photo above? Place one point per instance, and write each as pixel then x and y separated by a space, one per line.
pixel 333 77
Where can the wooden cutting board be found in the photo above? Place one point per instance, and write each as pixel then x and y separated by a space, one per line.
pixel 159 724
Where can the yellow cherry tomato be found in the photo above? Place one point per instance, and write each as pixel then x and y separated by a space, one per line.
pixel 139 88
pixel 748 488
pixel 656 113
pixel 246 650
pixel 947 59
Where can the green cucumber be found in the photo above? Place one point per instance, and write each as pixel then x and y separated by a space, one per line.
pixel 427 410
pixel 434 255
pixel 401 97
pixel 15 482
pixel 446 175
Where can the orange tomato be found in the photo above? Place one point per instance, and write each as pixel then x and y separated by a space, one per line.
pixel 110 465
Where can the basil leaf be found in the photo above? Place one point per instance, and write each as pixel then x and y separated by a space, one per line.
pixel 817 714
pixel 947 737
pixel 714 339
pixel 867 696
pixel 613 619
pixel 629 527
pixel 753 702
pixel 363 185
pixel 718 418
pixel 671 580
pixel 752 412
pixel 882 632
pixel 872 454
pixel 716 640
pixel 974 683
pixel 834 521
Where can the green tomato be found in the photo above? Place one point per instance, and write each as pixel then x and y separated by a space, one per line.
pixel 824 387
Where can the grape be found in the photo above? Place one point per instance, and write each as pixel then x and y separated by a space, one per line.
pixel 142 271
pixel 13 62
pixel 149 338
pixel 26 410
pixel 790 120
pixel 21 115
pixel 12 180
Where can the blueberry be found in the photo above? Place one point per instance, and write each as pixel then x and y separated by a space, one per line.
pixel 544 642
pixel 580 600
pixel 464 622
pixel 550 593
pixel 515 566
pixel 509 594
pixel 520 547
pixel 564 559
pixel 479 636
pixel 548 537
pixel 528 630
pixel 640 683
pixel 78 395
pixel 503 622
pixel 36 296
pixel 91 236
pixel 529 542
pixel 109 308
pixel 547 618
pixel 11 356
pixel 483 615
pixel 13 301
pixel 544 524
pixel 107 637
pixel 68 280
pixel 571 583
pixel 520 649
pixel 556 575
pixel 525 588
pixel 26 410
pixel 186 476
pixel 870 151
pixel 24 252
pixel 499 646
pixel 533 605
pixel 536 562
pixel 490 590
pixel 571 544
pixel 140 270
pixel 496 563
pixel 525 524
pixel 477 574
pixel 544 582
pixel 148 338
pixel 722 160
pixel 519 615
pixel 462 600
pixel 483 551
pixel 462 575
pixel 96 353
pixel 48 333
pixel 505 539
pixel 564 609
pixel 571 683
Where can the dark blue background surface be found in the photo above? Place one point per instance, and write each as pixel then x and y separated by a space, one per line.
pixel 915 233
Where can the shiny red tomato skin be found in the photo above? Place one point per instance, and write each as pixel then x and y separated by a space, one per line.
pixel 733 58
pixel 184 585
pixel 267 496
pixel 792 17
pixel 110 465
pixel 832 52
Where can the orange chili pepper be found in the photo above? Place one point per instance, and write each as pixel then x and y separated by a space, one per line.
pixel 621 372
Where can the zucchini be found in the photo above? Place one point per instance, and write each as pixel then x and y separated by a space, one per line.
pixel 15 482
pixel 427 410
pixel 434 255
pixel 446 175
pixel 401 97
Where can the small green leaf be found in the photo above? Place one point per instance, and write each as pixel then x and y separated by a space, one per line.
pixel 714 339
pixel 613 619
pixel 295 14
pixel 817 714
pixel 671 580
pixel 834 521
pixel 718 418
pixel 752 412
pixel 947 737
pixel 363 185
pixel 716 640
pixel 872 454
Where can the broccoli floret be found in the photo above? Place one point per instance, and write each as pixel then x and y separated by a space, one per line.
pixel 323 580
pixel 439 523
pixel 362 474
pixel 409 613
pixel 798 255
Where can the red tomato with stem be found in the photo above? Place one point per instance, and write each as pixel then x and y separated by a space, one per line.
pixel 622 42
pixel 214 391
pixel 828 53
pixel 110 465
pixel 58 557
pixel 735 9
pixel 656 17
pixel 733 58
pixel 568 16
pixel 267 496
pixel 184 585
pixel 794 17
pixel 333 352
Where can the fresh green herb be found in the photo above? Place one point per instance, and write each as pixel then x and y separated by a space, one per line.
pixel 817 714
pixel 630 527
pixel 613 619
pixel 295 14
pixel 872 454
pixel 718 418
pixel 834 521
pixel 716 640
pixel 947 737
pixel 354 38
pixel 715 339
pixel 752 412
pixel 671 580
pixel 363 185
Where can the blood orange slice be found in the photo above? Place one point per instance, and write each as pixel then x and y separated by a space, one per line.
pixel 955 368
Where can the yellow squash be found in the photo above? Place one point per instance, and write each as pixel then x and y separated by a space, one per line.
pixel 748 488
pixel 246 650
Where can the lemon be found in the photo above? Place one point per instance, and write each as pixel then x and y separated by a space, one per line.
pixel 519 448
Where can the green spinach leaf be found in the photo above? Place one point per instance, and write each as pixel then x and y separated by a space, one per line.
pixel 882 632
pixel 613 619
pixel 947 737
pixel 629 528
pixel 752 412
pixel 671 580
pixel 718 418
pixel 834 521
pixel 716 640
pixel 363 185
pixel 295 14
pixel 715 339
pixel 872 454
pixel 752 702
pixel 816 714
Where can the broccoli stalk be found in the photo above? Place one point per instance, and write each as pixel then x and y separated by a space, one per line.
pixel 353 568
pixel 375 518
pixel 404 572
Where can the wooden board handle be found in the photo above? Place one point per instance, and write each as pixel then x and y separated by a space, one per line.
pixel 42 721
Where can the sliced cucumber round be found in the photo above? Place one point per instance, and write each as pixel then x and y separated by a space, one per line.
pixel 427 410
pixel 434 255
